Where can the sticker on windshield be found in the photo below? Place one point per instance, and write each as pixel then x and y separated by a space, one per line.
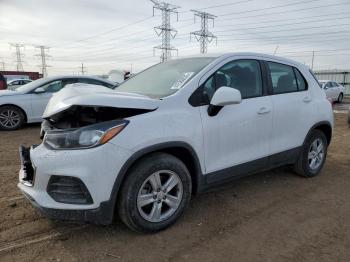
pixel 182 80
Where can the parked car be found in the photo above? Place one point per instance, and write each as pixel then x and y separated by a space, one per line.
pixel 333 90
pixel 26 104
pixel 171 131
pixel 13 84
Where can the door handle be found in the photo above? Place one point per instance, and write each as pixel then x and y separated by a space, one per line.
pixel 263 110
pixel 307 99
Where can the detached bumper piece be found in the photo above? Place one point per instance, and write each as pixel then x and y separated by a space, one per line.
pixel 102 215
pixel 69 190
pixel 27 170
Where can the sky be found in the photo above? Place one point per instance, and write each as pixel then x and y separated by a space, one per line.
pixel 110 34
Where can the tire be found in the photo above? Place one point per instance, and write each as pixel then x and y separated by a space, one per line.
pixel 11 118
pixel 140 183
pixel 305 166
pixel 340 98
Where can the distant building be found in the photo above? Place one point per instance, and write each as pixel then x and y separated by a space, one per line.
pixel 9 75
pixel 340 76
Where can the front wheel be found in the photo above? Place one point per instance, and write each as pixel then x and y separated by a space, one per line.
pixel 313 155
pixel 155 194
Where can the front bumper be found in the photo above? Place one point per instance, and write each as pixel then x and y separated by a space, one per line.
pixel 97 168
pixel 103 215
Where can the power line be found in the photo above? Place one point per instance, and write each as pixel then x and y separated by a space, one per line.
pixel 165 30
pixel 203 36
pixel 281 12
pixel 271 7
pixel 43 56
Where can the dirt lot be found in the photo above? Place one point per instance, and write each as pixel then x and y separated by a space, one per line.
pixel 272 216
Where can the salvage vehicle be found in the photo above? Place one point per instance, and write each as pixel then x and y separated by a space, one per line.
pixel 333 90
pixel 174 130
pixel 26 103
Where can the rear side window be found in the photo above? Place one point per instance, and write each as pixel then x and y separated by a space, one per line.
pixel 282 77
pixel 286 79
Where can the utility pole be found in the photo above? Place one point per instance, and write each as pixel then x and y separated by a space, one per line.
pixel 2 63
pixel 312 61
pixel 18 55
pixel 165 30
pixel 203 36
pixel 83 71
pixel 43 56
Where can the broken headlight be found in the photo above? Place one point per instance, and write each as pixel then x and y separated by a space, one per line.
pixel 84 137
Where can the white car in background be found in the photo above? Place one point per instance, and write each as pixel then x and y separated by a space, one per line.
pixel 14 83
pixel 333 90
pixel 27 103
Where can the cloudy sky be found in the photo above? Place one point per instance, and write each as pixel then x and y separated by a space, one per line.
pixel 112 34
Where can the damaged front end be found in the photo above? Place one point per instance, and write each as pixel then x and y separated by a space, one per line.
pixel 81 116
pixel 80 127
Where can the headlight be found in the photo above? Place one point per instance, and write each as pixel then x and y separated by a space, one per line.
pixel 84 137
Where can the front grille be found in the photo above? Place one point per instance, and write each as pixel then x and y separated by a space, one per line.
pixel 67 189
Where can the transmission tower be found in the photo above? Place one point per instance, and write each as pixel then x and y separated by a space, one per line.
pixel 43 56
pixel 203 36
pixel 83 69
pixel 165 30
pixel 18 56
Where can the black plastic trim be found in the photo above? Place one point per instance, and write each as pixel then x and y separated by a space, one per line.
pixel 315 126
pixel 251 167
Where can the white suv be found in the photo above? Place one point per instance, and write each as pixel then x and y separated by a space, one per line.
pixel 171 131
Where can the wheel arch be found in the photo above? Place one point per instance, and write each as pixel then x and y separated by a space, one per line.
pixel 20 108
pixel 181 150
pixel 323 126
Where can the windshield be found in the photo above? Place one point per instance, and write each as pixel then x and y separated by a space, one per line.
pixel 165 78
pixel 31 85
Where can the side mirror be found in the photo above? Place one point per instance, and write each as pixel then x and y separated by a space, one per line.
pixel 39 90
pixel 222 97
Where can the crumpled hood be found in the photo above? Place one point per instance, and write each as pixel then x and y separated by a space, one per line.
pixel 92 95
pixel 9 93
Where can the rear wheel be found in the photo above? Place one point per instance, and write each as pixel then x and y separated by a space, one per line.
pixel 340 98
pixel 313 155
pixel 11 118
pixel 155 194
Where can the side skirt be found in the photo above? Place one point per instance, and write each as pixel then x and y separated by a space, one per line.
pixel 262 164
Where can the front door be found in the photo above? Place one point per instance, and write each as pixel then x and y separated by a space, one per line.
pixel 238 133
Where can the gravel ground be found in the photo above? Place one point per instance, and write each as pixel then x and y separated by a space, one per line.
pixel 271 216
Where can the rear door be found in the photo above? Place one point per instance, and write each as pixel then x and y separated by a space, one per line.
pixel 292 107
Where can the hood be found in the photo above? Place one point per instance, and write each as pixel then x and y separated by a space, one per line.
pixel 9 93
pixel 93 95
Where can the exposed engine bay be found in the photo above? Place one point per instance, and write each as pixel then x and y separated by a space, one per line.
pixel 79 116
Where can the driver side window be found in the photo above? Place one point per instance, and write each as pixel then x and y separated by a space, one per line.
pixel 244 75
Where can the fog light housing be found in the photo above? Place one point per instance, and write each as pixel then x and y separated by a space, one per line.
pixel 69 190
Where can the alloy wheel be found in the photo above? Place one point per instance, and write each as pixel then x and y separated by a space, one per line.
pixel 160 196
pixel 316 154
pixel 9 118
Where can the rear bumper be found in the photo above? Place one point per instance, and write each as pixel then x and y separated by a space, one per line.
pixel 102 215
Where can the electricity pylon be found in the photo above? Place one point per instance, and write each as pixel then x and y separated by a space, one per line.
pixel 203 36
pixel 165 30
